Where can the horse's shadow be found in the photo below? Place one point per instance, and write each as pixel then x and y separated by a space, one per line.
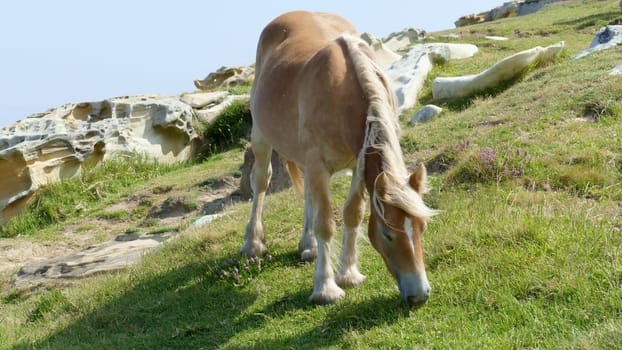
pixel 186 307
pixel 340 320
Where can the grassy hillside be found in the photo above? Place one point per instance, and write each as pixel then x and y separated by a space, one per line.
pixel 527 252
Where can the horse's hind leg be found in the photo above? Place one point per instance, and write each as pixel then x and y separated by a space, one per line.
pixel 349 275
pixel 325 290
pixel 254 241
pixel 308 244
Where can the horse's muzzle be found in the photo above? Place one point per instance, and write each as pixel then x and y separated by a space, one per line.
pixel 417 301
pixel 415 289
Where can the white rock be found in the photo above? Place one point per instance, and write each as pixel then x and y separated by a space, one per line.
pixel 384 56
pixel 409 73
pixel 606 38
pixel 204 99
pixel 402 40
pixel 448 88
pixel 616 71
pixel 204 220
pixel 211 111
pixel 106 257
pixel 54 145
pixel 496 38
pixel 426 113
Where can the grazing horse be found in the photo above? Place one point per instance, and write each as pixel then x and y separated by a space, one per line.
pixel 322 102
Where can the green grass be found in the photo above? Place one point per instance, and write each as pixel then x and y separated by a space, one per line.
pixel 531 260
pixel 71 198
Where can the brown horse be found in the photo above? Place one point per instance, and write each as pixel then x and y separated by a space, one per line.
pixel 322 102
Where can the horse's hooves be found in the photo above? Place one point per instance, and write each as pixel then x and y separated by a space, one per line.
pixel 308 255
pixel 254 249
pixel 349 279
pixel 327 295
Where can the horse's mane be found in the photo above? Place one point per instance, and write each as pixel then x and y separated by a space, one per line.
pixel 382 132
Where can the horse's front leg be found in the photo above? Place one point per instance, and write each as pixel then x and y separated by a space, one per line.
pixel 325 290
pixel 353 211
pixel 254 240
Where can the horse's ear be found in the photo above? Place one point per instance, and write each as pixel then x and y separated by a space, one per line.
pixel 381 186
pixel 418 179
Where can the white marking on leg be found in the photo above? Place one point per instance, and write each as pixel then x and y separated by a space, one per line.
pixel 325 290
pixel 408 228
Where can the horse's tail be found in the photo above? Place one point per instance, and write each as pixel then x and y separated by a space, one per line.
pixel 295 175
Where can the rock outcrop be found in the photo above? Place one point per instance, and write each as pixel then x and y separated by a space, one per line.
pixel 53 145
pixel 409 73
pixel 606 38
pixel 208 105
pixel 528 7
pixel 56 144
pixel 402 40
pixel 226 77
pixel 454 87
pixel 110 256
pixel 508 9
pixel 424 114
pixel 384 56
pixel 279 181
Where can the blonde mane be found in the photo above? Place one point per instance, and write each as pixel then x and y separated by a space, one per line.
pixel 382 133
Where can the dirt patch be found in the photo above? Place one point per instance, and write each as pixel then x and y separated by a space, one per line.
pixel 143 213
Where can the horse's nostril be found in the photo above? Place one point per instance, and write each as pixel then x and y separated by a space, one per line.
pixel 417 301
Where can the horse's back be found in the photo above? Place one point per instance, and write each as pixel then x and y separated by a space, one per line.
pixel 305 90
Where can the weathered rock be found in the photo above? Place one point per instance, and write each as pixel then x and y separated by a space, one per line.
pixel 454 87
pixel 606 38
pixel 226 77
pixel 398 41
pixel 205 219
pixel 409 73
pixel 496 38
pixel 508 9
pixel 201 99
pixel 616 71
pixel 209 113
pixel 280 177
pixel 15 252
pixel 426 113
pixel 107 257
pixel 384 56
pixel 528 7
pixel 468 20
pixel 54 145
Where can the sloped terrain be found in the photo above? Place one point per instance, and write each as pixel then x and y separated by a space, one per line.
pixel 526 253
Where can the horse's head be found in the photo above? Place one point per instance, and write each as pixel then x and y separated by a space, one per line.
pixel 398 219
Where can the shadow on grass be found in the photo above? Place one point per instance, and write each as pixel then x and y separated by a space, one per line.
pixel 180 308
pixel 186 307
pixel 343 318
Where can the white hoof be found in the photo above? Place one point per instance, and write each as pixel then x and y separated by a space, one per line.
pixel 327 294
pixel 308 255
pixel 255 248
pixel 307 248
pixel 349 278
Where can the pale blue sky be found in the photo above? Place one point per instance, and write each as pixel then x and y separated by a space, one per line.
pixel 54 52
